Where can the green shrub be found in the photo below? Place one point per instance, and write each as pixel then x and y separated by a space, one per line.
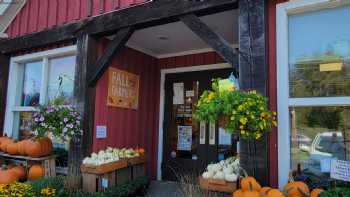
pixel 336 192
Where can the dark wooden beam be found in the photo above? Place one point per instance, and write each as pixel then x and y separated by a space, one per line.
pixel 114 46
pixel 253 75
pixel 4 73
pixel 84 102
pixel 145 15
pixel 214 40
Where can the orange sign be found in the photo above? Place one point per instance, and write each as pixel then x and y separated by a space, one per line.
pixel 123 89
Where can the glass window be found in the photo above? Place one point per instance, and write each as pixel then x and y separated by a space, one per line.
pixel 319 53
pixel 61 79
pixel 318 133
pixel 31 84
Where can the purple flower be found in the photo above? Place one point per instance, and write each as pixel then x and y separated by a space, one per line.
pixel 42 118
pixel 36 119
pixel 64 130
pixel 65 120
pixel 78 121
pixel 70 126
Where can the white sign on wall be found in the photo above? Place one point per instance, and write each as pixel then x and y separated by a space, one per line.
pixel 101 132
pixel 340 170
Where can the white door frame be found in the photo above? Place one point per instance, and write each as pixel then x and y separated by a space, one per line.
pixel 162 101
pixel 283 10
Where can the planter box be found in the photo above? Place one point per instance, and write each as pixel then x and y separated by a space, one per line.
pixel 217 185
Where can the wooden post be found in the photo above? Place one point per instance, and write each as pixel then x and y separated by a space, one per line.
pixel 253 75
pixel 84 101
pixel 4 73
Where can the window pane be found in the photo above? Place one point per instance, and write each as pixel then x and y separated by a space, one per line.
pixel 318 134
pixel 319 53
pixel 61 79
pixel 31 84
pixel 25 125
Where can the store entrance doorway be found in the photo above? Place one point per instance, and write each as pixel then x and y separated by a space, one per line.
pixel 190 145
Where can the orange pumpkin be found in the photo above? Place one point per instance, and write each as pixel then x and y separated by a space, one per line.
pixel 237 193
pixel 263 191
pixel 249 183
pixel 3 138
pixel 8 176
pixel 36 172
pixel 274 193
pixel 22 146
pixel 39 147
pixel 12 148
pixel 297 188
pixel 252 193
pixel 141 151
pixel 316 192
pixel 20 171
pixel 4 144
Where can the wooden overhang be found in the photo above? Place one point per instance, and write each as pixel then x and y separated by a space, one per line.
pixel 142 16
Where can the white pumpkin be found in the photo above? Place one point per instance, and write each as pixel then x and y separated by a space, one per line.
pixel 231 177
pixel 228 170
pixel 219 175
pixel 207 175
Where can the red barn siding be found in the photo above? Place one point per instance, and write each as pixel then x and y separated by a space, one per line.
pixel 131 128
pixel 37 15
pixel 272 88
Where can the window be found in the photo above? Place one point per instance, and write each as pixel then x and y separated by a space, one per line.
pixel 37 79
pixel 313 73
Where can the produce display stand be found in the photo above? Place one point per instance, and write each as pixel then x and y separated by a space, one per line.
pixel 217 185
pixel 48 162
pixel 138 166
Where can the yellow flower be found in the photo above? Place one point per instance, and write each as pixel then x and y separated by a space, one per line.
pixel 241 127
pixel 243 121
pixel 258 136
pixel 274 123
pixel 274 113
pixel 242 132
pixel 211 96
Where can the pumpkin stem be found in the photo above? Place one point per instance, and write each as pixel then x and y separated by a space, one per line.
pixel 290 177
pixel 250 186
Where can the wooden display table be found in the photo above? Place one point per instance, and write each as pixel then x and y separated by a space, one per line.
pixel 137 166
pixel 48 162
pixel 217 185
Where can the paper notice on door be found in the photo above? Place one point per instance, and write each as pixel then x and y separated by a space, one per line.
pixel 178 89
pixel 212 129
pixel 340 170
pixel 202 131
pixel 184 138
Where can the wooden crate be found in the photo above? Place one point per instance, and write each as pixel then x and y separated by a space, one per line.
pixel 48 162
pixel 138 166
pixel 217 185
pixel 123 175
pixel 98 178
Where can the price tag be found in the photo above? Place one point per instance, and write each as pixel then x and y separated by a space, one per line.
pixel 101 132
pixel 202 132
pixel 212 132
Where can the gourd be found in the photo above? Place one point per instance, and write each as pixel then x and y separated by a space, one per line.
pixel 20 171
pixel 248 183
pixel 12 148
pixel 274 193
pixel 297 188
pixel 8 176
pixel 35 172
pixel 316 192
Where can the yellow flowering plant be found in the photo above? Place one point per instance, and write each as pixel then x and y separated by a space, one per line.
pixel 244 112
pixel 16 190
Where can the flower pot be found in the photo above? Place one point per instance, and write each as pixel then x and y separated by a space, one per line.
pixel 223 120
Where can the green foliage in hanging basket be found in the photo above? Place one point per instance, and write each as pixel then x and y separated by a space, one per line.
pixel 244 112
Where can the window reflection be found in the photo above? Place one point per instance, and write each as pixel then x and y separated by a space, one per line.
pixel 31 84
pixel 318 133
pixel 319 53
pixel 25 125
pixel 61 79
